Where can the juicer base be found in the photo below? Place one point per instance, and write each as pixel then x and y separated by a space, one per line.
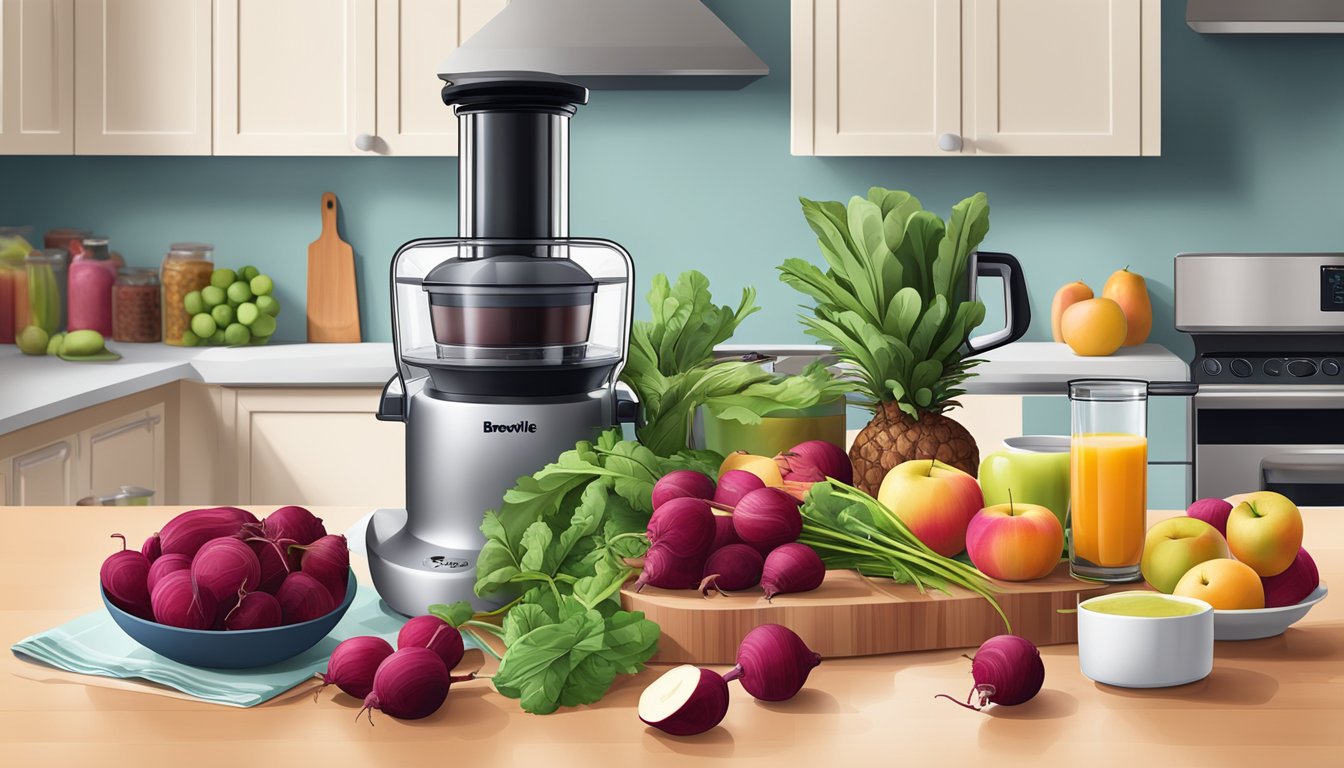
pixel 411 574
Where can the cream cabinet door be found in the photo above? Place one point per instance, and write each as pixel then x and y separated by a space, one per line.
pixel 1055 77
pixel 876 77
pixel 125 451
pixel 414 37
pixel 142 77
pixel 306 446
pixel 46 476
pixel 293 77
pixel 37 80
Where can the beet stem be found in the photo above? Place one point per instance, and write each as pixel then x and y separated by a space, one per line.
pixel 454 679
pixel 732 674
pixel 123 540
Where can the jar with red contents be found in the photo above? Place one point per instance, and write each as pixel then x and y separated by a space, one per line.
pixel 92 273
pixel 136 315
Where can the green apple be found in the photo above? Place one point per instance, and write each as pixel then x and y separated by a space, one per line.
pixel 1028 478
pixel 1174 546
pixel 1265 532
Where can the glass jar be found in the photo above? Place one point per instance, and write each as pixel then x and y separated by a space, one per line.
pixel 92 273
pixel 186 268
pixel 63 237
pixel 44 299
pixel 136 306
pixel 14 249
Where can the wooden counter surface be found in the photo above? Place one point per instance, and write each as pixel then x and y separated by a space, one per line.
pixel 1278 701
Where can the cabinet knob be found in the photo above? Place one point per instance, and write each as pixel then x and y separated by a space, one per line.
pixel 364 142
pixel 949 142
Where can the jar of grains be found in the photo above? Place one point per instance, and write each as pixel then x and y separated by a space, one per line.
pixel 135 306
pixel 186 268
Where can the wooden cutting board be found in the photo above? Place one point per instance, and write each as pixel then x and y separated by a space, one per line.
pixel 333 305
pixel 850 615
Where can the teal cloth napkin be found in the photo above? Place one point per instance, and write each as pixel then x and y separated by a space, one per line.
pixel 94 645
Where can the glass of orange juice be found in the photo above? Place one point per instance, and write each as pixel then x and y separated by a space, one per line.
pixel 1108 478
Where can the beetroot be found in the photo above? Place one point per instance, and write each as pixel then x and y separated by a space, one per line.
pixel 253 610
pixel 125 579
pixel 189 531
pixel 1294 584
pixel 723 532
pixel 682 483
pixel 791 567
pixel 1007 670
pixel 327 560
pixel 766 518
pixel 410 684
pixel 274 562
pixel 222 566
pixel 685 701
pixel 684 526
pixel 353 664
pixel 151 549
pixel 303 598
pixel 435 634
pixel 814 461
pixel 294 523
pixel 773 663
pixel 165 565
pixel 734 484
pixel 178 604
pixel 663 568
pixel 736 566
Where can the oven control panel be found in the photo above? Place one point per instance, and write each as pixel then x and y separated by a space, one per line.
pixel 1268 370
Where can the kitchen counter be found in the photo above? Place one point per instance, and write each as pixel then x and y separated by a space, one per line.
pixel 35 389
pixel 1267 702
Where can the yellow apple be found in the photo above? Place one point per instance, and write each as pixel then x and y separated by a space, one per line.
pixel 760 466
pixel 1174 546
pixel 935 500
pixel 1015 542
pixel 1225 584
pixel 1265 532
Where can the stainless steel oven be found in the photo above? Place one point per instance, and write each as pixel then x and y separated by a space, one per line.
pixel 1269 343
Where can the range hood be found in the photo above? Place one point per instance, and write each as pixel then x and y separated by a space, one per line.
pixel 610 44
pixel 1266 16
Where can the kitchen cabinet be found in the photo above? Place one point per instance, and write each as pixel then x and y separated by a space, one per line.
pixel 37 85
pixel 316 446
pixel 294 77
pixel 414 37
pixel 46 474
pixel 127 450
pixel 976 77
pixel 142 77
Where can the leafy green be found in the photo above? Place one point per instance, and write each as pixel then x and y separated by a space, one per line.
pixel 672 370
pixel 894 299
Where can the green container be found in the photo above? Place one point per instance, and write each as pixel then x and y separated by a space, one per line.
pixel 775 434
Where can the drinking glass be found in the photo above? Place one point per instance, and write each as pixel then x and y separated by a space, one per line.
pixel 1108 478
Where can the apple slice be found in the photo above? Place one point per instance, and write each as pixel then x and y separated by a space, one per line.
pixel 685 701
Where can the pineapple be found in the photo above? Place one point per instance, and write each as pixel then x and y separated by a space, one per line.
pixel 895 304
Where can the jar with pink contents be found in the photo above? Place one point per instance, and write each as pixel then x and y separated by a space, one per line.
pixel 92 273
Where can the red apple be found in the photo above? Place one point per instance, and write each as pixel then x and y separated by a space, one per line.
pixel 1015 542
pixel 1294 584
pixel 1213 511
pixel 935 500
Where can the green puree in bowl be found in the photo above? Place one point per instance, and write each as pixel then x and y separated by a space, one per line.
pixel 1154 606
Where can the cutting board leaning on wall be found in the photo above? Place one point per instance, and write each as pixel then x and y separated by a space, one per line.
pixel 333 305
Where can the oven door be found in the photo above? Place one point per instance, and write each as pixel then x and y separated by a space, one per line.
pixel 1289 439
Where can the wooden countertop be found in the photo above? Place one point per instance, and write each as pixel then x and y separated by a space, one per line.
pixel 1267 702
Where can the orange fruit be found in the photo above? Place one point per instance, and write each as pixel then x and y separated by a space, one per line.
pixel 1065 297
pixel 1094 327
pixel 1129 290
pixel 1224 583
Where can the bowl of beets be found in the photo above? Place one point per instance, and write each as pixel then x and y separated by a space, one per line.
pixel 219 588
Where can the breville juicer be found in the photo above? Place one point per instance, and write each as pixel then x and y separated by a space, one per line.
pixel 509 339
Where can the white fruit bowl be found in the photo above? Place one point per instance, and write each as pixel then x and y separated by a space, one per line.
pixel 1263 622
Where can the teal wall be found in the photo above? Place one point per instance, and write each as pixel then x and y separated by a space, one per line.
pixel 1253 159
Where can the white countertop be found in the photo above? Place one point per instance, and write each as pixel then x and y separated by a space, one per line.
pixel 35 389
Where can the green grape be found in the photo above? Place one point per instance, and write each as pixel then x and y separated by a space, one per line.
pixel 259 340
pixel 247 312
pixel 203 325
pixel 236 335
pixel 213 296
pixel 269 305
pixel 239 292
pixel 264 325
pixel 193 303
pixel 223 315
pixel 221 278
pixel 217 338
pixel 261 285
pixel 248 272
pixel 190 339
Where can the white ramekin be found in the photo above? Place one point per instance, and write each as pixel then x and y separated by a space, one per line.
pixel 1143 651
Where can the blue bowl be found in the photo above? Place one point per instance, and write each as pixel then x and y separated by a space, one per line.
pixel 239 649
